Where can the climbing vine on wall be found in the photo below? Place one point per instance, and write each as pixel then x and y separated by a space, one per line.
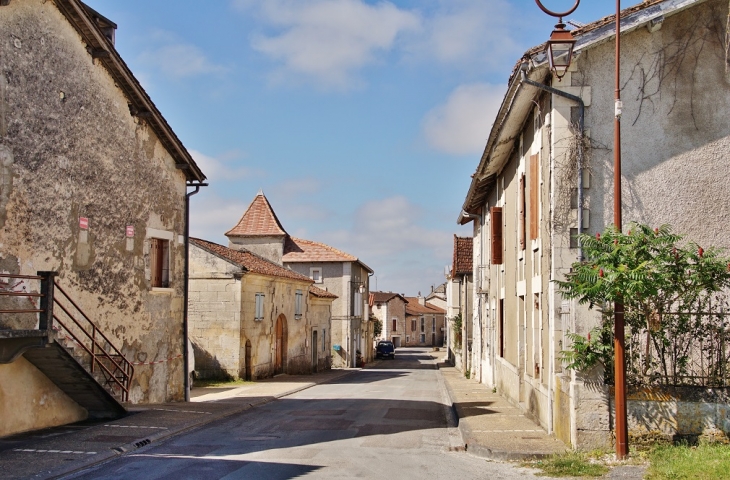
pixel 676 62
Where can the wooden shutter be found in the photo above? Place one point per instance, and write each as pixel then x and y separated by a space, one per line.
pixel 156 257
pixel 522 206
pixel 496 224
pixel 534 197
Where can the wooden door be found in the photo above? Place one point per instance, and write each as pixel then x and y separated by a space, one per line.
pixel 248 368
pixel 279 356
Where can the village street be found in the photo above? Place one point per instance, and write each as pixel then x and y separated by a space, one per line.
pixel 388 421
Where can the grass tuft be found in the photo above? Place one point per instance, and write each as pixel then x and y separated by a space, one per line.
pixel 570 464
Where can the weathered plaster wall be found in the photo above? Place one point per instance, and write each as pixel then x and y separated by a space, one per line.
pixel 270 248
pixel 33 403
pixel 70 148
pixel 280 300
pixel 319 316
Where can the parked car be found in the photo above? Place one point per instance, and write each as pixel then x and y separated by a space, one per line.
pixel 385 349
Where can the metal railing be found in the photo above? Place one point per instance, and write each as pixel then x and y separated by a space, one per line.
pixel 70 321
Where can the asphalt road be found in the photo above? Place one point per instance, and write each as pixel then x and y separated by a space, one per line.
pixel 389 421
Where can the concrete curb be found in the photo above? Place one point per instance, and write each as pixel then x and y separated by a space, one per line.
pixel 103 457
pixel 474 448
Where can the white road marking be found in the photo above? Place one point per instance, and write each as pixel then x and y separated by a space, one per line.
pixel 135 426
pixel 33 450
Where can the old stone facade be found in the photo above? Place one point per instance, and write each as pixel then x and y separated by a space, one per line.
pixel 523 200
pixel 460 305
pixel 425 323
pixel 92 176
pixel 250 318
pixel 332 270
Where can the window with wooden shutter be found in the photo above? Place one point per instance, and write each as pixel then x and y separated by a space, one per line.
pixel 159 263
pixel 522 206
pixel 534 197
pixel 496 224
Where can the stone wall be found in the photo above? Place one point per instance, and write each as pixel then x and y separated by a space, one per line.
pixel 70 148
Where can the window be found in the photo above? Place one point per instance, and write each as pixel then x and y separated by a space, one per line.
pixel 324 339
pixel 259 306
pixel 423 325
pixel 413 325
pixel 423 338
pixel 408 338
pixel 298 304
pixel 160 263
pixel 395 324
pixel 433 324
pixel 315 273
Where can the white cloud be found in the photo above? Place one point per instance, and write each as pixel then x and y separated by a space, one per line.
pixel 211 216
pixel 177 59
pixel 221 169
pixel 467 33
pixel 461 125
pixel 329 41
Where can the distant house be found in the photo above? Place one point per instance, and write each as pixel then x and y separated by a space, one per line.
pixel 251 318
pixel 460 303
pixel 333 270
pixel 425 323
pixel 547 174
pixel 92 187
pixel 390 309
pixel 437 296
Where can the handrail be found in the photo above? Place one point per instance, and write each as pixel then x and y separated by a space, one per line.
pixel 98 351
pixel 113 365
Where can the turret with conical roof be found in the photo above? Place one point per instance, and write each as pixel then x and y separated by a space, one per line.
pixel 259 231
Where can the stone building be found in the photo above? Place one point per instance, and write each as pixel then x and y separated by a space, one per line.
pixel 333 270
pixel 390 309
pixel 460 305
pixel 251 318
pixel 425 323
pixel 538 176
pixel 94 188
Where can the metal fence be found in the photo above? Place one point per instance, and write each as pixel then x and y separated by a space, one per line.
pixel 680 348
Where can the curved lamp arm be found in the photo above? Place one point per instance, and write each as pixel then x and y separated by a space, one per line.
pixel 559 15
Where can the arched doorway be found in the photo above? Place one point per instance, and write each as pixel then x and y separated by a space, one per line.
pixel 280 345
pixel 248 368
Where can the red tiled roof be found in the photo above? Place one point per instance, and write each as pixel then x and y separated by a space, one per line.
pixel 299 250
pixel 413 307
pixel 258 220
pixel 463 252
pixel 250 261
pixel 382 297
pixel 318 292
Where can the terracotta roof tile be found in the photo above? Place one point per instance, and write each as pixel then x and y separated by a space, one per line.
pixel 299 250
pixel 258 220
pixel 250 261
pixel 318 292
pixel 463 254
pixel 382 297
pixel 415 308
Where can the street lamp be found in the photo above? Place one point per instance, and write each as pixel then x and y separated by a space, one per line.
pixel 561 42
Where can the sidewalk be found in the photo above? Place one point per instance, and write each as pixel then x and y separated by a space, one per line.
pixel 490 426
pixel 60 451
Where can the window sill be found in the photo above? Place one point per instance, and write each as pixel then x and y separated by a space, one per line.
pixel 297 317
pixel 162 290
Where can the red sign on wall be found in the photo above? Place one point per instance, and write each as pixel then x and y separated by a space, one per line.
pixel 83 223
pixel 130 230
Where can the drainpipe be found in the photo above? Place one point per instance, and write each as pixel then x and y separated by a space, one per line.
pixel 581 125
pixel 186 360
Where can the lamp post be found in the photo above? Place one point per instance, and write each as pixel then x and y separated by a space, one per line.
pixel 561 44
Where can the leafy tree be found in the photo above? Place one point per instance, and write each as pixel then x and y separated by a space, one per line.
pixel 457 323
pixel 377 327
pixel 656 276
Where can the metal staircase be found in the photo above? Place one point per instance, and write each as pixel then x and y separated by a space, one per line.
pixel 66 346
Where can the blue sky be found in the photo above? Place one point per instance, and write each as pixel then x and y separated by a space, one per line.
pixel 361 120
